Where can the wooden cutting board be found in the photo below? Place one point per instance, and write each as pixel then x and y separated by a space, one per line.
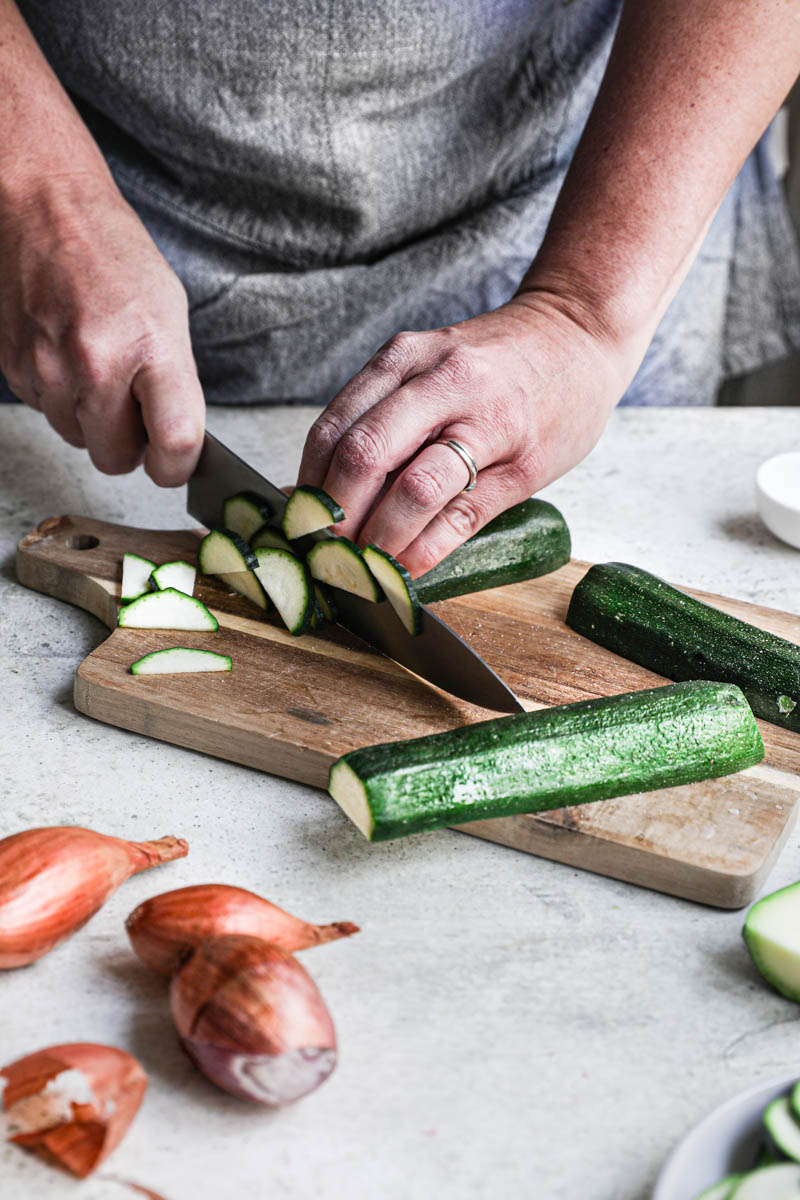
pixel 292 706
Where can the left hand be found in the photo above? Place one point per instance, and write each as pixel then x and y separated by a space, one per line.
pixel 526 389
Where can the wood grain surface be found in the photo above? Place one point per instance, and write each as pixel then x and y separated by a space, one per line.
pixel 292 706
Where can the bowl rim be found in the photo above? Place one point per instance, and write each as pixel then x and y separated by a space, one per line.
pixel 792 506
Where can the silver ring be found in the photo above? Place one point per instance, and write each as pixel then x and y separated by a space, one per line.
pixel 468 461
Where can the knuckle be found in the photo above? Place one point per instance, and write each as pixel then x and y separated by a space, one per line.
pixel 461 366
pixel 427 556
pixel 398 354
pixel 528 468
pixel 323 435
pixel 361 451
pixel 463 517
pixel 177 438
pixel 421 487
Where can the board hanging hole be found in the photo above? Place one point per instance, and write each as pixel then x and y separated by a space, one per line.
pixel 82 541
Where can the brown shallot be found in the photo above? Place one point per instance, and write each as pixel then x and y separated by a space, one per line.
pixel 252 1019
pixel 52 880
pixel 71 1104
pixel 164 927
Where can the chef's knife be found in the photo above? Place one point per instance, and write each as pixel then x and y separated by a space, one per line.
pixel 436 652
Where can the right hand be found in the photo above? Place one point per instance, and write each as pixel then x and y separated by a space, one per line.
pixel 94 330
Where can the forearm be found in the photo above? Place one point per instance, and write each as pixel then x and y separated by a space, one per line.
pixel 688 90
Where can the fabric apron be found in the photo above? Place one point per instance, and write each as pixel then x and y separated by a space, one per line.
pixel 324 173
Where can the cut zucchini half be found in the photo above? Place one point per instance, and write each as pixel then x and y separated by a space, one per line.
pixel 398 586
pixel 779 1182
pixel 267 536
pixel 136 572
pixel 178 575
pixel 244 513
pixel 720 1191
pixel 169 609
pixel 247 584
pixel 309 509
pixel 339 562
pixel 287 582
pixel 772 935
pixel 179 660
pixel 227 555
pixel 783 1128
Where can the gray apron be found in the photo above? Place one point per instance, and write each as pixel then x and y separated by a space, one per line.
pixel 324 173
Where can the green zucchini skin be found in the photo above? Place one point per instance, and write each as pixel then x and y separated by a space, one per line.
pixel 646 620
pixel 527 540
pixel 530 762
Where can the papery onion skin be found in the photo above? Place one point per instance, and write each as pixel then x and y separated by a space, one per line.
pixel 81 1141
pixel 253 1020
pixel 163 928
pixel 52 880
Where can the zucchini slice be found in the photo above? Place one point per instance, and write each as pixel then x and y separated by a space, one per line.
pixel 783 1128
pixel 648 621
pixel 398 586
pixel 527 540
pixel 169 609
pixel 287 582
pixel 227 555
pixel 772 935
pixel 720 1191
pixel 339 562
pixel 309 509
pixel 778 1182
pixel 178 575
pixel 180 660
pixel 267 536
pixel 530 762
pixel 244 513
pixel 325 601
pixel 136 572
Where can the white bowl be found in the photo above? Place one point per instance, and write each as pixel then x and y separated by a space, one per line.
pixel 778 496
pixel 724 1142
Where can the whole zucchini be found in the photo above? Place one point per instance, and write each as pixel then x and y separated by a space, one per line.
pixel 644 619
pixel 534 761
pixel 527 540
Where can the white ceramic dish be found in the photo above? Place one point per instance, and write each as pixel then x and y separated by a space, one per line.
pixel 778 496
pixel 724 1142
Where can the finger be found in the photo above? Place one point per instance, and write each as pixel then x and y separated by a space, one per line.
pixel 112 428
pixel 435 477
pixel 173 411
pixel 402 357
pixel 496 490
pixel 60 412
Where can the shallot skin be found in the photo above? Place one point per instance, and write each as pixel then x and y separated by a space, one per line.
pixel 163 928
pixel 253 1020
pixel 52 880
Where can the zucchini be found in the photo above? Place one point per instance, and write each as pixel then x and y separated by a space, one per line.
pixel 778 1182
pixel 178 575
pixel 244 513
pixel 772 935
pixel 529 762
pixel 169 609
pixel 309 509
pixel 180 660
pixel 136 573
pixel 720 1191
pixel 783 1129
pixel 641 617
pixel 339 562
pixel 287 582
pixel 267 536
pixel 228 556
pixel 324 601
pixel 527 540
pixel 398 586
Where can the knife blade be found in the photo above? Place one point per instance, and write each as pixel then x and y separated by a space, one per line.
pixel 436 653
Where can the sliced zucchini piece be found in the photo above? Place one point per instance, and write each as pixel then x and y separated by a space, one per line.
pixel 720 1191
pixel 178 575
pixel 309 509
pixel 180 660
pixel 325 601
pixel 398 586
pixel 245 512
pixel 227 555
pixel 783 1128
pixel 287 582
pixel 136 573
pixel 533 761
pixel 267 536
pixel 772 935
pixel 779 1182
pixel 169 609
pixel 339 562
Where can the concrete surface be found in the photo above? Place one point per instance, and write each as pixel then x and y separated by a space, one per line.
pixel 509 1027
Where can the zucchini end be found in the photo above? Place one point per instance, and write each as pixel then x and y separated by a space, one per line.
pixel 350 794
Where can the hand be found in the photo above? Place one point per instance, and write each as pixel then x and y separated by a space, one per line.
pixel 94 330
pixel 527 389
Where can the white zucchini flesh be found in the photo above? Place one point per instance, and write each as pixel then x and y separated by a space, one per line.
pixel 136 572
pixel 244 513
pixel 779 1182
pixel 288 584
pixel 398 586
pixel 178 575
pixel 307 510
pixel 783 1127
pixel 169 609
pixel 267 536
pixel 248 585
pixel 180 660
pixel 720 1191
pixel 772 936
pixel 222 551
pixel 339 562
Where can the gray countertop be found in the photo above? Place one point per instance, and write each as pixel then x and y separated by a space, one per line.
pixel 509 1027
